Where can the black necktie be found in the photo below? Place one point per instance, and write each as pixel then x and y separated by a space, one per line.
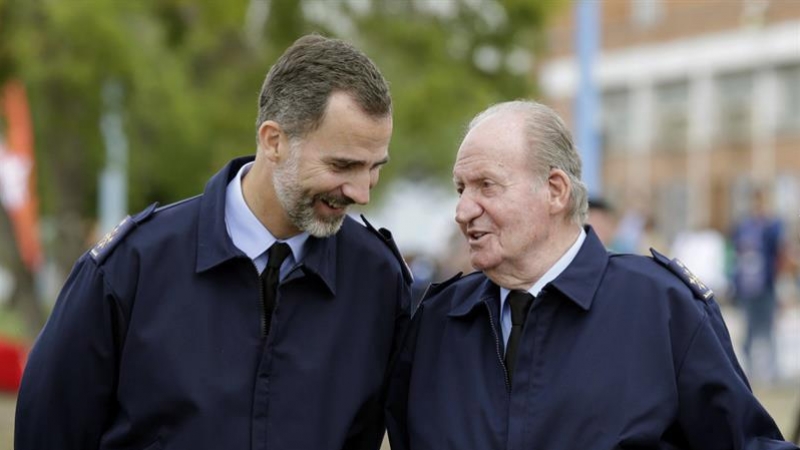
pixel 520 302
pixel 269 281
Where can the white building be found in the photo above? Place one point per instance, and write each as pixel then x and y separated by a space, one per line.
pixel 699 101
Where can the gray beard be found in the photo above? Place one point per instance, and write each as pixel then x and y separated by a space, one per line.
pixel 298 205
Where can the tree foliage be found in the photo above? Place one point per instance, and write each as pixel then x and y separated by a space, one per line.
pixel 446 62
pixel 191 70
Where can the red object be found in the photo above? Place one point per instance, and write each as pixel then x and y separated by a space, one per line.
pixel 12 361
pixel 17 169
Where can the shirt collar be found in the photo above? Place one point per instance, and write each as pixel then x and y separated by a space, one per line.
pixel 579 281
pixel 215 246
pixel 551 273
pixel 248 233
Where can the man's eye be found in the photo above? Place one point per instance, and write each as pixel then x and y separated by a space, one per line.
pixel 341 165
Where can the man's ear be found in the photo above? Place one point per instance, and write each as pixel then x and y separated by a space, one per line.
pixel 560 189
pixel 270 140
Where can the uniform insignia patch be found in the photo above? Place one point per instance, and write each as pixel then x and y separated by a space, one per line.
pixel 689 278
pixel 104 246
pixel 679 268
pixel 110 239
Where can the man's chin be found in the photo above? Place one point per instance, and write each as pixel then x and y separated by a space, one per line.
pixel 322 228
pixel 483 262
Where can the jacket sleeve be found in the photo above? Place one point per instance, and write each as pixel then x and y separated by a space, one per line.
pixel 717 409
pixel 399 381
pixel 66 396
pixel 373 421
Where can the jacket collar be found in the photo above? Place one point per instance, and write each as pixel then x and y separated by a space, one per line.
pixel 578 282
pixel 214 244
pixel 485 292
pixel 581 279
pixel 320 259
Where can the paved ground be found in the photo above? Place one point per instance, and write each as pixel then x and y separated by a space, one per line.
pixel 6 421
pixel 782 400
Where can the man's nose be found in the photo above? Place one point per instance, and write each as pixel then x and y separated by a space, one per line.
pixel 358 189
pixel 467 209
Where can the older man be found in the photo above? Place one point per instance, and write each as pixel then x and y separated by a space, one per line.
pixel 555 343
pixel 257 315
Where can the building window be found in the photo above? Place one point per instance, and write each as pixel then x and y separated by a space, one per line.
pixel 735 94
pixel 789 98
pixel 616 121
pixel 646 13
pixel 671 116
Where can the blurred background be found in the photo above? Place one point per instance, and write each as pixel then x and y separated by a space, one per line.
pixel 683 112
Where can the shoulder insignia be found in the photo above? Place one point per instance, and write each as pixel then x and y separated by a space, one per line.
pixel 104 246
pixel 386 237
pixel 678 268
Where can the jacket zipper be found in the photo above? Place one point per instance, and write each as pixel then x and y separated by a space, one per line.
pixel 261 304
pixel 497 347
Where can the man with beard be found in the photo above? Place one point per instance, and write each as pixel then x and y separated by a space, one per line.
pixel 556 343
pixel 256 315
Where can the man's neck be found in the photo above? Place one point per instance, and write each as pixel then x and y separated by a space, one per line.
pixel 260 196
pixel 525 273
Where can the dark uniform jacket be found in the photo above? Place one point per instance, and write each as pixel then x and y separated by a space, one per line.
pixel 618 352
pixel 156 341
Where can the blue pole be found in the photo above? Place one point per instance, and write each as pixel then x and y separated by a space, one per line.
pixel 113 192
pixel 587 36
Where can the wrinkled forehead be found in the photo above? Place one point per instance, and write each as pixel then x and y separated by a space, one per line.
pixel 499 137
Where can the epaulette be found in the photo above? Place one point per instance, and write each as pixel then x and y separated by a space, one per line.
pixel 386 237
pixel 699 289
pixel 103 248
pixel 178 203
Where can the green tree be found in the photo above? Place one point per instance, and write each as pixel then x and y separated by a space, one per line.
pixel 183 68
pixel 190 73
pixel 447 61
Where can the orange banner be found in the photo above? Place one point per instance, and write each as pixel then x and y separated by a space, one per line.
pixel 17 174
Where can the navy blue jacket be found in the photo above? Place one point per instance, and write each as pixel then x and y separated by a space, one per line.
pixel 156 341
pixel 618 352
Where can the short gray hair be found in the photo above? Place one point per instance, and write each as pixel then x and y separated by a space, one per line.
pixel 297 88
pixel 551 147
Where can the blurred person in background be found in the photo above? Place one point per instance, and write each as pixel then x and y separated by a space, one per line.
pixel 630 227
pixel 257 315
pixel 651 236
pixel 456 258
pixel 757 249
pixel 703 251
pixel 603 220
pixel 424 269
pixel 557 343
